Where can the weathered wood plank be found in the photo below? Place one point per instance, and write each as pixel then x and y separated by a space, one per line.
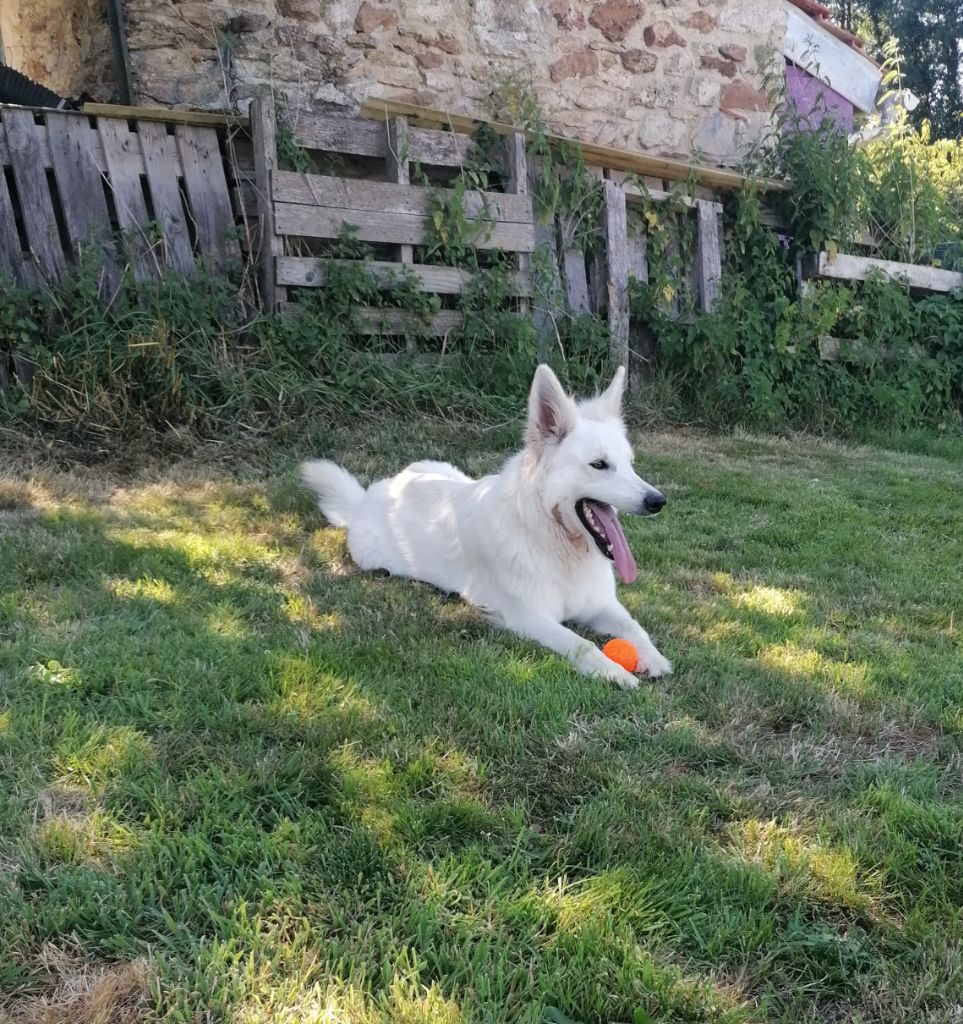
pixel 516 163
pixel 358 137
pixel 338 134
pixel 858 268
pixel 398 149
pixel 848 72
pixel 659 195
pixel 439 149
pixel 397 228
pixel 678 270
pixel 310 271
pixel 42 143
pixel 708 256
pixel 264 129
pixel 398 321
pixel 396 168
pixel 856 350
pixel 81 187
pixel 11 257
pixel 642 350
pixel 638 247
pixel 548 306
pixel 617 278
pixel 206 185
pixel 576 281
pixel 162 166
pixel 125 164
pixel 597 269
pixel 39 219
pixel 352 194
pixel 370 320
pixel 165 114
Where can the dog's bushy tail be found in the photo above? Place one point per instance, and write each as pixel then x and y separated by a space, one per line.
pixel 339 494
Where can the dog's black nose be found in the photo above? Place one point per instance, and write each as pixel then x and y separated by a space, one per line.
pixel 653 502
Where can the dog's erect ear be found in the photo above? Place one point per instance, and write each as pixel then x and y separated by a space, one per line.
pixel 551 413
pixel 611 397
pixel 608 405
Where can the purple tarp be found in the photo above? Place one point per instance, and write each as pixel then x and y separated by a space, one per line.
pixel 814 100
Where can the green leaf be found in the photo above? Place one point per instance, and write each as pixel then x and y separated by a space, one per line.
pixel 553 1015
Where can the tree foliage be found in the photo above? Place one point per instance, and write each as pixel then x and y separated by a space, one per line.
pixel 930 34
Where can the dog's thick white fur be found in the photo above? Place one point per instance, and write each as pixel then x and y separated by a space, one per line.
pixel 534 545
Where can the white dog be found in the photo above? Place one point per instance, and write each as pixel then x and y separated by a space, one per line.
pixel 534 545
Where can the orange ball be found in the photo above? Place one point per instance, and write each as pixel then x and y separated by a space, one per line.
pixel 622 653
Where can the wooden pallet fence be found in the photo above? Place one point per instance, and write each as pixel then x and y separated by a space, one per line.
pixel 598 282
pixel 390 212
pixel 124 186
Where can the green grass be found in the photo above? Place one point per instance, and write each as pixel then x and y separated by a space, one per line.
pixel 292 789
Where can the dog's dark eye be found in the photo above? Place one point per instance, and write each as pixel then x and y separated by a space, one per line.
pixel 599 464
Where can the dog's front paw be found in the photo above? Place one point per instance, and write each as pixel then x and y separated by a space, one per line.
pixel 623 679
pixel 653 664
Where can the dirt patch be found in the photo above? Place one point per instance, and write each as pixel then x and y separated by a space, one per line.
pixel 77 990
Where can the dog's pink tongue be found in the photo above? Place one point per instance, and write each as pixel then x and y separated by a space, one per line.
pixel 624 562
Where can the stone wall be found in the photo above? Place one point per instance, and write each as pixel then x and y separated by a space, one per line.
pixel 63 44
pixel 667 76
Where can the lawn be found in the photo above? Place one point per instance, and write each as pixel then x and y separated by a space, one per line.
pixel 241 781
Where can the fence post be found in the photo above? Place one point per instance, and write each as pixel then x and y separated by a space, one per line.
pixel 516 162
pixel 617 271
pixel 641 339
pixel 708 258
pixel 398 171
pixel 270 245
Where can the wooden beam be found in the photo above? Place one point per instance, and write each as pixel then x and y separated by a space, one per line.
pixel 516 162
pixel 361 138
pixel 195 117
pixel 370 320
pixel 264 127
pixel 352 194
pixel 708 255
pixel 858 268
pixel 396 228
pixel 312 272
pixel 576 281
pixel 617 272
pixel 396 168
pixel 602 156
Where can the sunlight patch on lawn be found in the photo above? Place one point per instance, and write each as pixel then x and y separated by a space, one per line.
pixel 145 588
pixel 102 756
pixel 52 673
pixel 830 874
pixel 779 602
pixel 363 779
pixel 310 692
pixel 805 663
pixel 607 898
pixel 406 1001
pixel 302 611
pixel 94 839
pixel 329 549
pixel 218 558
pixel 770 600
